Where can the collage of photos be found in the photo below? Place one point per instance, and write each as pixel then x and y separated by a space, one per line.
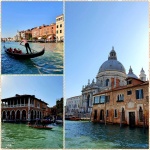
pixel 74 75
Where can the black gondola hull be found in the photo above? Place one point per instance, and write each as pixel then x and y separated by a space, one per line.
pixel 25 56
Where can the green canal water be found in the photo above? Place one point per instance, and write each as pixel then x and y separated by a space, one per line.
pixel 80 134
pixel 20 136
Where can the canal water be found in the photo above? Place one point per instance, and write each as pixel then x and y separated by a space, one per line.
pixel 49 63
pixel 20 136
pixel 82 134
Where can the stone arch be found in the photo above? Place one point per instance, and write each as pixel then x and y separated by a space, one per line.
pixel 32 115
pixel 18 114
pixel 4 115
pixel 13 115
pixel 8 115
pixel 24 116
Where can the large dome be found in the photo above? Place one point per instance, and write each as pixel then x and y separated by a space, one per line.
pixel 112 64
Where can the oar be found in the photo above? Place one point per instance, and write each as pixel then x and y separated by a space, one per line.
pixel 30 48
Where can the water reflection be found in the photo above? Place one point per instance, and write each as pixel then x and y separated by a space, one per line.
pixel 21 136
pixel 49 63
pixel 90 135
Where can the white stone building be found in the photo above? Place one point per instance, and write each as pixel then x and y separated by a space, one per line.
pixel 73 105
pixel 60 28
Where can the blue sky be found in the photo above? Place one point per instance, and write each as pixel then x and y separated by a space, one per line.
pixel 92 28
pixel 46 88
pixel 26 15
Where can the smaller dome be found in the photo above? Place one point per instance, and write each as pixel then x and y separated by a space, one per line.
pixel 142 71
pixel 131 74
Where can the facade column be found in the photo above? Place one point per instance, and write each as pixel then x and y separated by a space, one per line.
pixel 20 102
pixel 29 113
pixel 15 114
pixel 20 115
pixel 24 101
pixel 10 115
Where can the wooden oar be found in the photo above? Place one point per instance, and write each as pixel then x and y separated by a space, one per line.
pixel 30 48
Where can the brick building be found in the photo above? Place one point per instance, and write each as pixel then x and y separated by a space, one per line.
pixel 127 104
pixel 23 108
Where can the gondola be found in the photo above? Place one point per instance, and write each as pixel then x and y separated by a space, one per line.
pixel 23 55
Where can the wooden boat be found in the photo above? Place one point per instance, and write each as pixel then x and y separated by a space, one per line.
pixel 40 127
pixel 23 55
pixel 75 118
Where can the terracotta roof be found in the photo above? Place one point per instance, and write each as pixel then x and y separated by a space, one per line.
pixel 121 88
pixel 25 95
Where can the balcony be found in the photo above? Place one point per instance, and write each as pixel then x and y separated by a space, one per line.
pixel 17 105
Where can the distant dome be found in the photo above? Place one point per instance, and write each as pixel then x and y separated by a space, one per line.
pixel 131 74
pixel 112 64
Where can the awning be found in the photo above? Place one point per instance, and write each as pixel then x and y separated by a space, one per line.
pixel 39 38
pixel 49 37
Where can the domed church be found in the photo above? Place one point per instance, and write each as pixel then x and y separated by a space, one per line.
pixel 111 74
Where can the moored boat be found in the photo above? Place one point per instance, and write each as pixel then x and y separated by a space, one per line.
pixel 23 55
pixel 40 127
pixel 75 118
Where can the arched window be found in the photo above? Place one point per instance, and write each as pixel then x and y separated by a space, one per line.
pixel 123 114
pixel 102 115
pixel 107 82
pixel 95 114
pixel 118 98
pixel 140 114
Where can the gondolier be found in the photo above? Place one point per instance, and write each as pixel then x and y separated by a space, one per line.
pixel 26 45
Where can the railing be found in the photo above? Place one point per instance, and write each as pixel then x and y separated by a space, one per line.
pixel 18 105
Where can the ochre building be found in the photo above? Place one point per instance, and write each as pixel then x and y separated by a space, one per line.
pixel 127 104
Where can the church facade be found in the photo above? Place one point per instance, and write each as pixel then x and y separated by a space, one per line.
pixel 111 71
pixel 112 78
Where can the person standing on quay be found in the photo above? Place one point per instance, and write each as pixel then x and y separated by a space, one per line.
pixel 26 45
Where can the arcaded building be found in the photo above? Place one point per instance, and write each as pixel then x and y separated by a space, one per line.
pixel 23 108
pixel 127 104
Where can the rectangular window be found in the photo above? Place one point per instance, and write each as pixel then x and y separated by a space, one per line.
pixel 129 82
pixel 107 98
pixel 115 113
pixel 129 92
pixel 57 31
pixel 102 99
pixel 96 100
pixel 60 31
pixel 57 26
pixel 60 25
pixel 139 94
